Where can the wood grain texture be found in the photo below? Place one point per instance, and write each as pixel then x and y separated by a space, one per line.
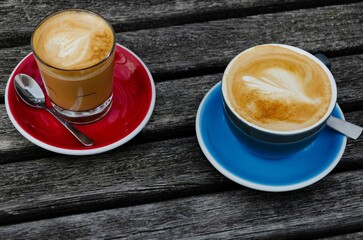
pixel 315 211
pixel 188 48
pixel 347 72
pixel 126 176
pixel 18 18
pixel 204 48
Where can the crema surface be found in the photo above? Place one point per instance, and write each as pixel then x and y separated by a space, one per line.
pixel 277 88
pixel 73 40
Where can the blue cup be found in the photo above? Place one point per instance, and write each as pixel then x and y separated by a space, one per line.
pixel 269 143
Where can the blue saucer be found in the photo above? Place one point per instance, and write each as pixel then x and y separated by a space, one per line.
pixel 236 162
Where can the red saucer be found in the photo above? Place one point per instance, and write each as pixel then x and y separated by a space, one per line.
pixel 133 103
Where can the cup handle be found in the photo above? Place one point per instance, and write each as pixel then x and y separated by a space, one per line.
pixel 324 59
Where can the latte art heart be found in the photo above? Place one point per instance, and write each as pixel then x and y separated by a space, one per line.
pixel 71 47
pixel 278 83
pixel 277 88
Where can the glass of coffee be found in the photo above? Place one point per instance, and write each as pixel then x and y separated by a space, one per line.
pixel 74 50
pixel 277 98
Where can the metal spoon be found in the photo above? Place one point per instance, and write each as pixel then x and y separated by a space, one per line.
pixel 31 93
pixel 348 129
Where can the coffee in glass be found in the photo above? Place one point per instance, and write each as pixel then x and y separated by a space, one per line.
pixel 74 50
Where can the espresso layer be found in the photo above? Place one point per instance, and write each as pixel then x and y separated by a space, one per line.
pixel 73 40
pixel 278 89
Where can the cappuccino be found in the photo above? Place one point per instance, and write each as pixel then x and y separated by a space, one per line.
pixel 277 88
pixel 74 50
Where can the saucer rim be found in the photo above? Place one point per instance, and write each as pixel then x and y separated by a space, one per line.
pixel 250 184
pixel 81 152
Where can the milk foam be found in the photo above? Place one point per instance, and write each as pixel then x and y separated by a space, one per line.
pixel 73 40
pixel 278 83
pixel 277 88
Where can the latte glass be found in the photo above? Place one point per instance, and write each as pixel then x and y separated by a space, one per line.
pixel 268 139
pixel 74 50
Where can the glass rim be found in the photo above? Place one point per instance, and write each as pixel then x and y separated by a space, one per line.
pixel 73 10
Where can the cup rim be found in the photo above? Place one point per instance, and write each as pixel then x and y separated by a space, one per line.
pixel 332 82
pixel 73 10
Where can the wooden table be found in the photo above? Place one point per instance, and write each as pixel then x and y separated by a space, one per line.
pixel 160 185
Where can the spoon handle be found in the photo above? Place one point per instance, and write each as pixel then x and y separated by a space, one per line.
pixel 348 129
pixel 79 135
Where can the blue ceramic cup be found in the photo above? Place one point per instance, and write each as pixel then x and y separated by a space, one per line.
pixel 274 143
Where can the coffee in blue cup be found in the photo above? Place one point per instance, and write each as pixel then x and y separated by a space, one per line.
pixel 277 98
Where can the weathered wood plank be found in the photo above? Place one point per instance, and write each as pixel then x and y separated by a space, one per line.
pixel 18 18
pixel 189 47
pixel 202 48
pixel 125 176
pixel 347 73
pixel 176 107
pixel 315 211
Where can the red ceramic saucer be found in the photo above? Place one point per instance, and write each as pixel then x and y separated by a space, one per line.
pixel 132 106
